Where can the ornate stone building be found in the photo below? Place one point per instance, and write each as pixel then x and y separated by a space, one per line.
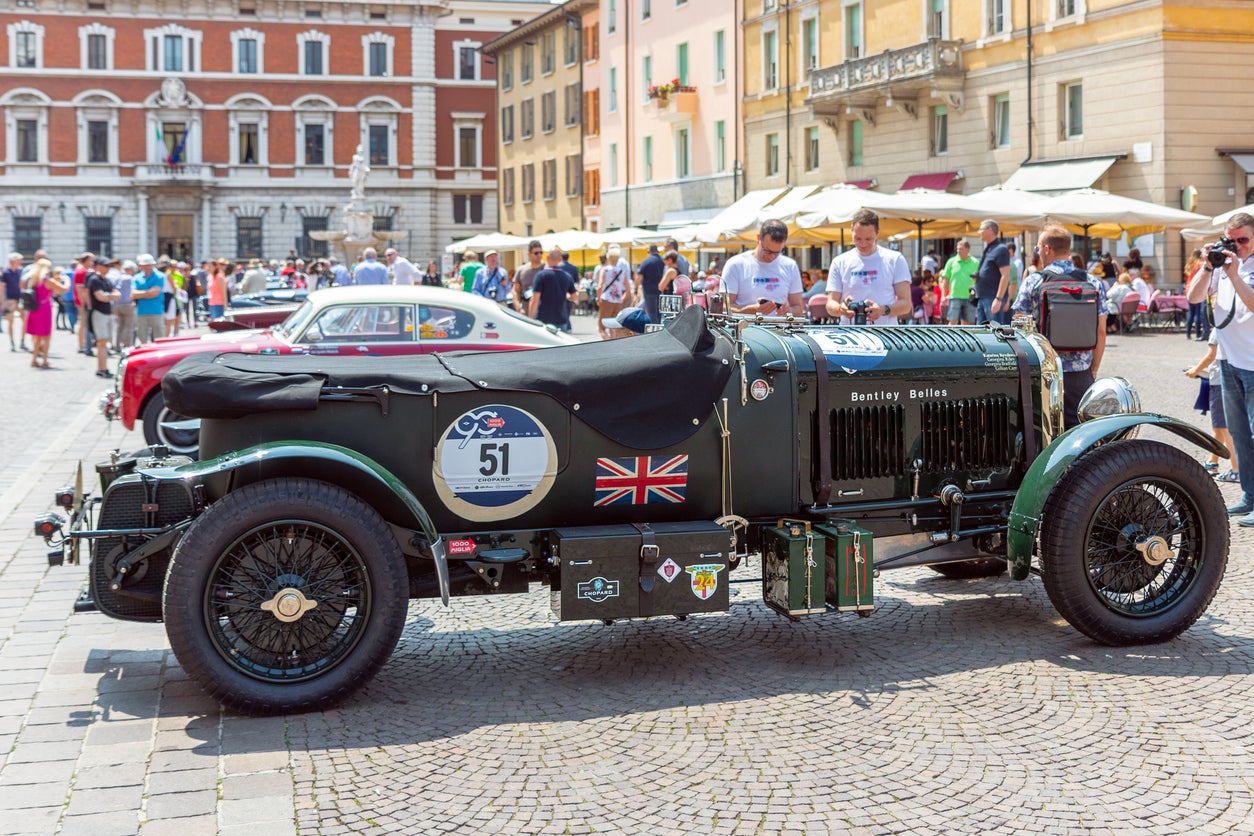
pixel 205 129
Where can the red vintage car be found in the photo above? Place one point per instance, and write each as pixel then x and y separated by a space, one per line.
pixel 344 321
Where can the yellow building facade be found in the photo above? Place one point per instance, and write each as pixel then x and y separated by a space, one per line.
pixel 1139 98
pixel 540 122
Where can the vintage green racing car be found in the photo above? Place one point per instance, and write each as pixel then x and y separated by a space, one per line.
pixel 632 478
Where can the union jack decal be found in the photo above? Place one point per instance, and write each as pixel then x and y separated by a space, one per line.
pixel 641 480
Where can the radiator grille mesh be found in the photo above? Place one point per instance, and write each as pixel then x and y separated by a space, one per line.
pixel 122 508
pixel 966 434
pixel 867 441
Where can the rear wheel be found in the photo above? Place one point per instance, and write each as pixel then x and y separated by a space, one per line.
pixel 164 426
pixel 285 596
pixel 1134 543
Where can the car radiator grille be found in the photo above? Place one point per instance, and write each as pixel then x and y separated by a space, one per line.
pixel 972 433
pixel 867 441
pixel 122 508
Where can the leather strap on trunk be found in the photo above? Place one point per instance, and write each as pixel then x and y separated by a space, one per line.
pixel 822 423
pixel 1028 423
pixel 649 556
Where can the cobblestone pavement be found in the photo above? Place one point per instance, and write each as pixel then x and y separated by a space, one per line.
pixel 958 706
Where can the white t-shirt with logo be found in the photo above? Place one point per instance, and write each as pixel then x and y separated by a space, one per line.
pixel 868 277
pixel 747 280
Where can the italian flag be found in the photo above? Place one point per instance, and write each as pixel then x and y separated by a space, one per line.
pixel 160 141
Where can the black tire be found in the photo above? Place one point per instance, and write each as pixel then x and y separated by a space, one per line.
pixel 984 567
pixel 1113 498
pixel 158 428
pixel 285 535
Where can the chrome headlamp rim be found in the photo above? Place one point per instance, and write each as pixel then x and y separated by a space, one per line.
pixel 1109 396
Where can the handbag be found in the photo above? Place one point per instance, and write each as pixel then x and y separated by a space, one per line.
pixel 29 301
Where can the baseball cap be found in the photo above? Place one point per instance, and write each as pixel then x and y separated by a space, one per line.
pixel 144 258
pixel 633 319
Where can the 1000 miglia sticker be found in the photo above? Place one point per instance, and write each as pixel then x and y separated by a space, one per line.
pixel 494 463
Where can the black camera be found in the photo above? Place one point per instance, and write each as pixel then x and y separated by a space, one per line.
pixel 1217 254
pixel 858 311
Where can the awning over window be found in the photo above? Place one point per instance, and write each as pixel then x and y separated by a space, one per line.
pixel 1246 161
pixel 1060 176
pixel 859 184
pixel 937 182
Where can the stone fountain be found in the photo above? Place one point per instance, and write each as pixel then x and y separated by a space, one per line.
pixel 356 231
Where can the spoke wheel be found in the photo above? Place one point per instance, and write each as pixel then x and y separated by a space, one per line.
pixel 1134 543
pixel 285 595
pixel 287 601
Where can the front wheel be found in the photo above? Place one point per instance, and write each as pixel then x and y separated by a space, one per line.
pixel 285 596
pixel 1134 543
pixel 162 425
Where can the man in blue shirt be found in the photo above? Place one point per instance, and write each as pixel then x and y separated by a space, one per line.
pixel 370 271
pixel 648 274
pixel 552 290
pixel 148 292
pixel 1079 368
pixel 492 282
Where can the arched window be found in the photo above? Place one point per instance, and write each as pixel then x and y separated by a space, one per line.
pixel 380 124
pixel 248 51
pixel 95 46
pixel 376 54
pixel 173 49
pixel 249 127
pixel 26 45
pixel 315 134
pixel 25 127
pixel 96 113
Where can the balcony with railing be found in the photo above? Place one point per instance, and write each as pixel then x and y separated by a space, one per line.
pixel 173 173
pixel 933 67
pixel 672 101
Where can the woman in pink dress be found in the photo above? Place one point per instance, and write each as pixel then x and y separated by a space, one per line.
pixel 46 281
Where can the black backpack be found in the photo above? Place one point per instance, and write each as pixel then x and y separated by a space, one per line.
pixel 1069 309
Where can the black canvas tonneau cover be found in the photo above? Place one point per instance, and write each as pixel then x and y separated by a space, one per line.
pixel 646 391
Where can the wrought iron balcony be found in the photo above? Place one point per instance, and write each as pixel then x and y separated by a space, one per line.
pixel 934 65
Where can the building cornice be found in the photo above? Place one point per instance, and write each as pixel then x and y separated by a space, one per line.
pixel 570 9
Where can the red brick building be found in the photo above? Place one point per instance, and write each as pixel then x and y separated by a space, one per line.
pixel 203 129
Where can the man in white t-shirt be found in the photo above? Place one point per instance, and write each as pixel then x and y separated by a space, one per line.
pixel 869 273
pixel 763 280
pixel 403 271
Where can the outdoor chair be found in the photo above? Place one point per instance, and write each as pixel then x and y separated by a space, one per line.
pixel 1127 319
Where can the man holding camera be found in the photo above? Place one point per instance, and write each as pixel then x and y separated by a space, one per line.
pixel 1227 282
pixel 868 281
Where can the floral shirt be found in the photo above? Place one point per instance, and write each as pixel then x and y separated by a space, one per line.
pixel 1029 301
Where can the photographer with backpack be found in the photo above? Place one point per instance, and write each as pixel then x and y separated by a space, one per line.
pixel 1069 307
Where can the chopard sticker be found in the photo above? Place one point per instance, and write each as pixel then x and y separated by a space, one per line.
pixel 669 570
pixel 597 590
pixel 494 463
pixel 853 351
pixel 704 578
pixel 759 389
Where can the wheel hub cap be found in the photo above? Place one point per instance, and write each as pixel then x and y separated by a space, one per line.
pixel 289 605
pixel 1155 550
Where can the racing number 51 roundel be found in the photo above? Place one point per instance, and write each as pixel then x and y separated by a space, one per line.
pixel 493 463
